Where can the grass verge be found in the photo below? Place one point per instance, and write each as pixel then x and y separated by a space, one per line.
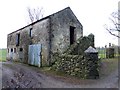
pixel 108 66
pixel 3 54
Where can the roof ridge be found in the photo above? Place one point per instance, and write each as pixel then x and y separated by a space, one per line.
pixel 40 20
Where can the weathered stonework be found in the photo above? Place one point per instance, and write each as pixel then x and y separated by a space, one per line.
pixel 85 66
pixel 60 26
pixel 80 45
pixel 80 59
pixel 53 32
pixel 110 52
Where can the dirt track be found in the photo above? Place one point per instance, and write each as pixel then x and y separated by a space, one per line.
pixel 17 75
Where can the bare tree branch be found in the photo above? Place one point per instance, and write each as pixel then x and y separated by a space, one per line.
pixel 30 14
pixel 35 14
pixel 112 33
pixel 115 27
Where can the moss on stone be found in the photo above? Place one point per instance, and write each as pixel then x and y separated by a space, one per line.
pixel 73 61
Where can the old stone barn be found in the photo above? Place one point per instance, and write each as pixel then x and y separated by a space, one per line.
pixel 35 43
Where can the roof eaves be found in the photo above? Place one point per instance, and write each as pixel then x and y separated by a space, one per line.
pixel 39 20
pixel 29 24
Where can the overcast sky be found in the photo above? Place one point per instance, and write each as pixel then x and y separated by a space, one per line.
pixel 93 14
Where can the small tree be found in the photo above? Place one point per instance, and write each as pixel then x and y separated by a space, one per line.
pixel 35 14
pixel 114 29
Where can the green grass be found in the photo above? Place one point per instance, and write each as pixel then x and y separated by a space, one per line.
pixel 102 54
pixel 3 54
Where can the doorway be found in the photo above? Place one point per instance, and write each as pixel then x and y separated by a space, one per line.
pixel 34 55
pixel 72 35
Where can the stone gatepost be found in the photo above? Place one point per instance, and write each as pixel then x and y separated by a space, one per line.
pixel 110 52
pixel 91 55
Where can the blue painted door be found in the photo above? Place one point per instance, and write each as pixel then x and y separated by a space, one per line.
pixel 34 55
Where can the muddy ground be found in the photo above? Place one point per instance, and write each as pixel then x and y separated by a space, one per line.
pixel 18 75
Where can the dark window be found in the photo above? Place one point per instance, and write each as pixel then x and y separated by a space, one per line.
pixel 30 33
pixel 21 49
pixel 14 50
pixel 11 50
pixel 10 37
pixel 81 28
pixel 72 36
pixel 17 39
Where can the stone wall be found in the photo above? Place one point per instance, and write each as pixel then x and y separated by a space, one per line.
pixel 91 55
pixel 76 62
pixel 70 64
pixel 110 52
pixel 60 30
pixel 53 32
pixel 80 66
pixel 81 45
pixel 39 34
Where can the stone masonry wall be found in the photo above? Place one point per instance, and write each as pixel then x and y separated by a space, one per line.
pixel 110 52
pixel 60 30
pixel 40 34
pixel 53 32
pixel 77 65
pixel 75 62
pixel 81 45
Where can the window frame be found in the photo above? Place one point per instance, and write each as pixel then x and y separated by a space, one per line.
pixel 14 50
pixel 30 32
pixel 17 39
pixel 20 49
pixel 72 34
pixel 11 50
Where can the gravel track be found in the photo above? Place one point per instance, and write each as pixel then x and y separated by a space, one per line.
pixel 17 75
